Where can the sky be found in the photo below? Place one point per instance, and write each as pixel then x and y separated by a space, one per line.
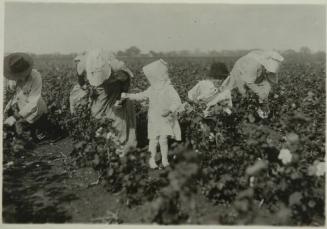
pixel 66 27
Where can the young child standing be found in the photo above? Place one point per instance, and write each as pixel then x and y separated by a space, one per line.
pixel 164 102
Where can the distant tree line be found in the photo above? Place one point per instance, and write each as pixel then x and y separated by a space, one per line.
pixel 304 53
pixel 134 51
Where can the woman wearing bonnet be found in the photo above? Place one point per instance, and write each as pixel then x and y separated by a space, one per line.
pixel 257 71
pixel 108 78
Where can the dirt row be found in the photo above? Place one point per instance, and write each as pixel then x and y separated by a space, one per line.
pixel 42 187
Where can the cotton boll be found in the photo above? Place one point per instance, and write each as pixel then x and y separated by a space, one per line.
pixel 292 138
pixel 320 169
pixel 285 156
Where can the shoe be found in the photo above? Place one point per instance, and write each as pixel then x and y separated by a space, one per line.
pixel 152 163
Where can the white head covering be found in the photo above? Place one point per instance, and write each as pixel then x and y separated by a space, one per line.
pixel 98 68
pixel 99 64
pixel 271 60
pixel 156 72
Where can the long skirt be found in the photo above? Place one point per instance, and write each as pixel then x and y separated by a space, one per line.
pixel 123 118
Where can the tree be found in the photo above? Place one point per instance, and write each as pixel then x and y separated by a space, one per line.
pixel 305 50
pixel 153 53
pixel 132 51
pixel 290 53
pixel 171 54
pixel 120 53
pixel 184 53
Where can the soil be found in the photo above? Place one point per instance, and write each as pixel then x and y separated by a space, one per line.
pixel 42 188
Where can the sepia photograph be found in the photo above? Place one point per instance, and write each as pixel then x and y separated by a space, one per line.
pixel 180 113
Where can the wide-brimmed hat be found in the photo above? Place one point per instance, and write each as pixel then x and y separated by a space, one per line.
pixel 218 70
pixel 17 65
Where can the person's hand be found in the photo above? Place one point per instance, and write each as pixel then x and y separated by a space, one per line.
pixel 185 107
pixel 206 112
pixel 118 104
pixel 124 95
pixel 262 114
pixel 165 113
pixel 227 110
pixel 10 121
pixel 16 114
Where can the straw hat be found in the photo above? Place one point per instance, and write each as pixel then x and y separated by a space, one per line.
pixel 17 65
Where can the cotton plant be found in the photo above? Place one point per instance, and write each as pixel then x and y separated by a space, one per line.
pixel 318 168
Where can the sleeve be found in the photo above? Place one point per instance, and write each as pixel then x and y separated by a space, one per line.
pixel 250 70
pixel 9 86
pixel 10 102
pixel 262 89
pixel 33 96
pixel 139 96
pixel 229 83
pixel 194 92
pixel 223 96
pixel 175 100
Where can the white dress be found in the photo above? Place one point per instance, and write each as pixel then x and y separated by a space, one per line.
pixel 162 99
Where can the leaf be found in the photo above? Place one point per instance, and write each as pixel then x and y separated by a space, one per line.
pixel 241 205
pixel 96 159
pixel 311 203
pixel 251 118
pixel 295 199
pixel 283 215
pixel 292 138
pixel 256 168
